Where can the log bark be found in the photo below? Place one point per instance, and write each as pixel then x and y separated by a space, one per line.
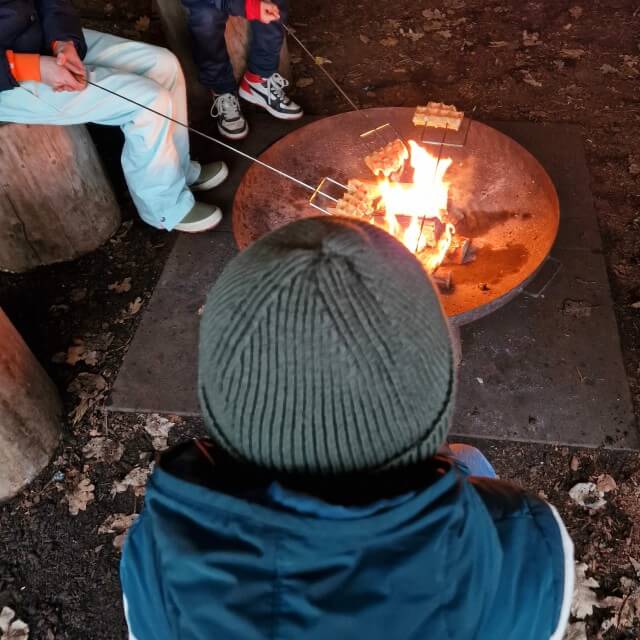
pixel 173 17
pixel 55 201
pixel 29 413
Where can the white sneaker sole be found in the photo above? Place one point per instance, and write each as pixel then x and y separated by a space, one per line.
pixel 214 181
pixel 206 224
pixel 233 136
pixel 261 102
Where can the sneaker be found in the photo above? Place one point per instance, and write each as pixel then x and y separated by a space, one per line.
pixel 211 175
pixel 226 110
pixel 202 217
pixel 269 94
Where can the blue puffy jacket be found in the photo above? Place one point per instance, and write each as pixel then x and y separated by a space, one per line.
pixel 30 26
pixel 459 558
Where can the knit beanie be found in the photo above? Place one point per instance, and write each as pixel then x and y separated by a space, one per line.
pixel 324 351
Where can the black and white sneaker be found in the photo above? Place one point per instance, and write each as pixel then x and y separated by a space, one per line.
pixel 269 94
pixel 231 122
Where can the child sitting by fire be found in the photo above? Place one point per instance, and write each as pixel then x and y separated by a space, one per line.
pixel 261 84
pixel 326 503
pixel 45 61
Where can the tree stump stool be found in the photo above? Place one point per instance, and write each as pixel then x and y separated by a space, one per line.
pixel 174 17
pixel 55 201
pixel 29 413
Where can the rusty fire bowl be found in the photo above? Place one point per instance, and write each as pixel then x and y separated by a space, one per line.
pixel 509 204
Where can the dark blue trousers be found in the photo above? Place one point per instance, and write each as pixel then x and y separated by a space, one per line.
pixel 207 24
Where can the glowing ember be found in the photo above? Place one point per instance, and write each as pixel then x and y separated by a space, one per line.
pixel 424 198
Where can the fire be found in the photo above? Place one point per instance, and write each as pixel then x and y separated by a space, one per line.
pixel 424 199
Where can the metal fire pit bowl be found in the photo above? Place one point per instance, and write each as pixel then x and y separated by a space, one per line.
pixel 509 203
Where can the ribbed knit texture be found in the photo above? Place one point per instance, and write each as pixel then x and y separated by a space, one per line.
pixel 324 350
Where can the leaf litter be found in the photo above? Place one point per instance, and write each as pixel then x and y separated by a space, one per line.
pixel 11 627
pixel 158 428
pixel 118 523
pixel 103 449
pixel 89 388
pixel 136 480
pixel 81 495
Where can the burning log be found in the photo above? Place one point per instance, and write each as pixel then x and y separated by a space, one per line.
pixel 444 279
pixel 461 251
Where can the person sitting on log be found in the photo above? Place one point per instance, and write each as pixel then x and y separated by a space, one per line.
pixel 326 504
pixel 45 60
pixel 261 84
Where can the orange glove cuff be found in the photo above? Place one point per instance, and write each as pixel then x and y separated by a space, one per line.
pixel 24 66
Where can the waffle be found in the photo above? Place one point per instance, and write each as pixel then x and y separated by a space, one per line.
pixel 438 115
pixel 358 201
pixel 389 159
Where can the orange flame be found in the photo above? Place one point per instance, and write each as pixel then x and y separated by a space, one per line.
pixel 425 197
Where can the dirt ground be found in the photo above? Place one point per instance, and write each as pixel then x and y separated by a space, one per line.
pixel 553 60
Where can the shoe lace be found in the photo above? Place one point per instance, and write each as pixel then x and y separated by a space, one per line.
pixel 227 106
pixel 276 85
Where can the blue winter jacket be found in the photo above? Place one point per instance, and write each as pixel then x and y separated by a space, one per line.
pixel 458 558
pixel 30 26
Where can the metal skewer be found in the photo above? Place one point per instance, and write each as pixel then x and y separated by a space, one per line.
pixel 304 185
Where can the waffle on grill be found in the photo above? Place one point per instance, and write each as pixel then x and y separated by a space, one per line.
pixel 438 115
pixel 359 201
pixel 389 159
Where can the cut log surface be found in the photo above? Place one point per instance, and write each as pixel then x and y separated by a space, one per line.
pixel 56 203
pixel 29 413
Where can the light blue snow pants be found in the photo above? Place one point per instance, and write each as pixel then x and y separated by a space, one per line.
pixel 155 157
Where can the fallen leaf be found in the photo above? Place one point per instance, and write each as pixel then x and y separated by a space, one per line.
pixel 607 68
pixel 136 479
pixel 572 54
pixel 584 597
pixel 412 35
pixel 531 39
pixel 498 44
pixel 576 631
pixel 119 524
pixel 636 565
pixel 134 307
pixel 142 23
pixel 103 450
pixel 320 60
pixel 575 12
pixel 364 39
pixel 586 495
pixel 634 168
pixel 575 463
pixel 121 287
pixel 606 483
pixel 433 14
pixel 77 295
pixel 89 387
pixel 529 79
pixel 304 82
pixel 158 428
pixel 80 496
pixel 445 33
pixel 11 627
pixel 576 308
pixel 389 42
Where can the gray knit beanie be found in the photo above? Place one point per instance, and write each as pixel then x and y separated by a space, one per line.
pixel 324 350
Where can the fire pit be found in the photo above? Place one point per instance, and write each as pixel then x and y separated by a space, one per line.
pixel 499 198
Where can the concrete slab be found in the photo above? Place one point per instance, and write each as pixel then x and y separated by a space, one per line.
pixel 547 367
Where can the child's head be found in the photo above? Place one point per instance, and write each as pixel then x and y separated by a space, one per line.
pixel 324 350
